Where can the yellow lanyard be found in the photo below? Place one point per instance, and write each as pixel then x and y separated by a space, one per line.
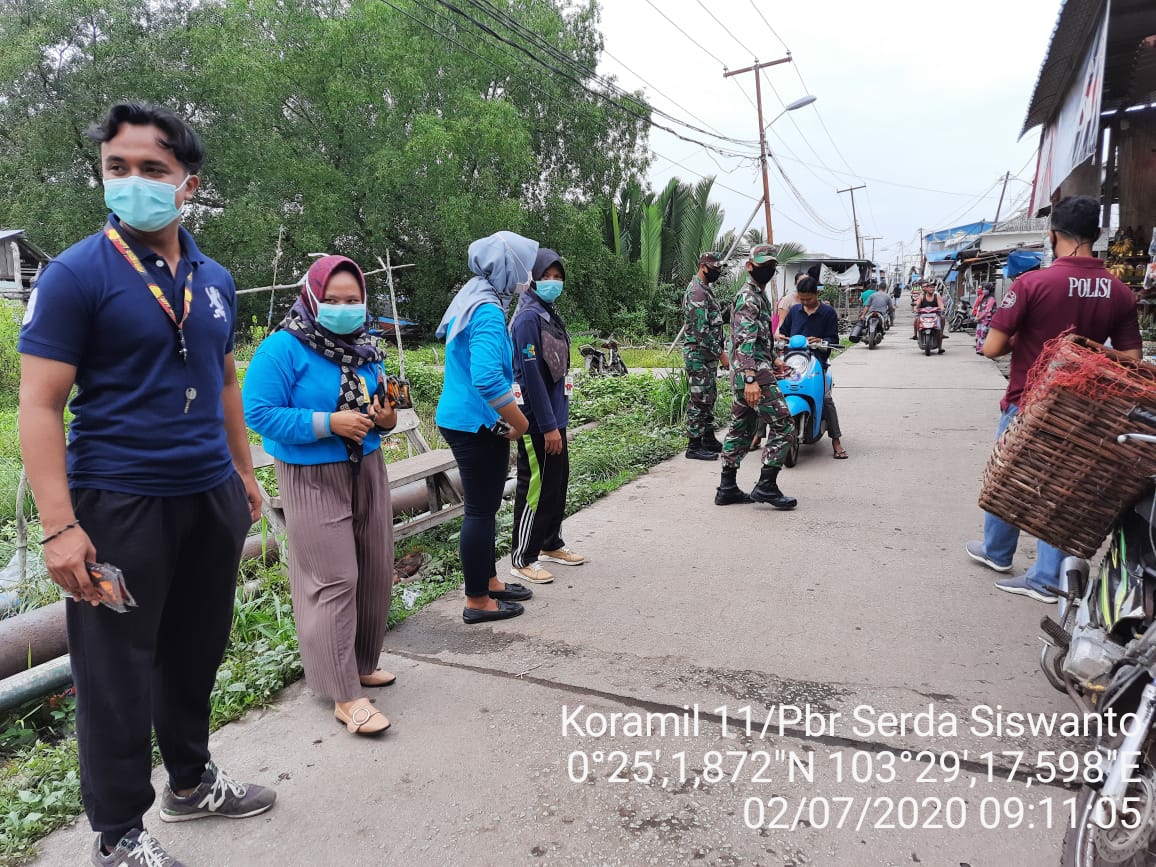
pixel 117 241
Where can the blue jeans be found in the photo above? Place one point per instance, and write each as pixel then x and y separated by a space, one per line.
pixel 1000 538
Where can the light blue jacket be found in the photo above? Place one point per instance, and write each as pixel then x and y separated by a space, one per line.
pixel 479 376
pixel 290 391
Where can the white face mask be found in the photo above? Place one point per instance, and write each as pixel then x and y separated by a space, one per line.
pixel 522 285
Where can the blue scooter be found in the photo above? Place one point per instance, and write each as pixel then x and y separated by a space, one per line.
pixel 803 385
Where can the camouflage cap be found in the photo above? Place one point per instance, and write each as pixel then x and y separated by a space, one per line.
pixel 762 253
pixel 710 258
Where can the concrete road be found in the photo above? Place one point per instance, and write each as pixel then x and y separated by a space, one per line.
pixel 815 625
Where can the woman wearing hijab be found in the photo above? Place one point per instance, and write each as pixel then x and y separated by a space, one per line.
pixel 541 365
pixel 982 313
pixel 307 392
pixel 477 414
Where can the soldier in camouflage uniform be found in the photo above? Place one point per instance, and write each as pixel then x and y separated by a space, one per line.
pixel 702 353
pixel 757 399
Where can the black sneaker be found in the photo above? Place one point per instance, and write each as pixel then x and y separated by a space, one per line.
pixel 136 849
pixel 217 795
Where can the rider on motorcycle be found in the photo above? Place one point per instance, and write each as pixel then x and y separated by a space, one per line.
pixel 879 302
pixel 819 323
pixel 928 300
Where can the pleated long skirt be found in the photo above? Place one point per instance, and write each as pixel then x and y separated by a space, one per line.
pixel 340 568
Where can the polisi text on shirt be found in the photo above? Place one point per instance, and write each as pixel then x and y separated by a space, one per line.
pixel 1082 287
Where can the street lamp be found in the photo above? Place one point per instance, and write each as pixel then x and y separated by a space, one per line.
pixel 801 102
pixel 798 103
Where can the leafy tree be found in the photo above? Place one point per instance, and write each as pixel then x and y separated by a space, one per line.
pixel 354 126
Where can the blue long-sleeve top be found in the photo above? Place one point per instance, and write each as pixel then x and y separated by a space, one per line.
pixel 545 404
pixel 479 374
pixel 289 394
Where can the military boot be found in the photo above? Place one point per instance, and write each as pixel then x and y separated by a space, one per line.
pixel 696 451
pixel 710 442
pixel 767 490
pixel 728 491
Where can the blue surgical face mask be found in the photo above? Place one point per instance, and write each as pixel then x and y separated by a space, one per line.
pixel 141 203
pixel 341 318
pixel 548 290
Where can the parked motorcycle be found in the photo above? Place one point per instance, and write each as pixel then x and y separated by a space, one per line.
pixel 1102 652
pixel 930 331
pixel 804 384
pixel 599 363
pixel 961 319
pixel 875 325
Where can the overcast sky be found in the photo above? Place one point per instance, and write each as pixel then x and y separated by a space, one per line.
pixel 914 94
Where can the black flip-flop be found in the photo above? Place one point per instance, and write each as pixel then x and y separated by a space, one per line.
pixel 480 615
pixel 841 456
pixel 512 593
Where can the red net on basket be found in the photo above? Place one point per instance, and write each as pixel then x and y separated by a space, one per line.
pixel 1058 472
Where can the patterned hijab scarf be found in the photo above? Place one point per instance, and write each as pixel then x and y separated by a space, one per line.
pixel 350 351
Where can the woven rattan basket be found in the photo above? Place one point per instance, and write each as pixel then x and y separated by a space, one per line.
pixel 1058 472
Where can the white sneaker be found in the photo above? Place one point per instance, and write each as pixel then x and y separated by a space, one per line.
pixel 564 556
pixel 534 573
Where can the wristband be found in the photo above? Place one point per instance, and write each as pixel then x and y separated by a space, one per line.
pixel 59 532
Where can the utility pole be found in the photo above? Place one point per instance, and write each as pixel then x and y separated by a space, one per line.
pixel 999 207
pixel 922 254
pixel 762 132
pixel 388 267
pixel 854 218
pixel 872 239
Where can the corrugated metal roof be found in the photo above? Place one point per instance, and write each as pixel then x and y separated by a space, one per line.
pixel 1130 69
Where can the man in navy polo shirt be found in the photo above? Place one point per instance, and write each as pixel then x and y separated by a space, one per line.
pixel 816 320
pixel 156 479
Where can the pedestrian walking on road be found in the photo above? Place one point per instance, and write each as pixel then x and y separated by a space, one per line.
pixel 702 353
pixel 477 414
pixel 757 399
pixel 1076 292
pixel 310 393
pixel 542 375
pixel 981 314
pixel 156 479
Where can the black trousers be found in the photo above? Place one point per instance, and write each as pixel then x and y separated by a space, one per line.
pixel 540 499
pixel 154 666
pixel 483 464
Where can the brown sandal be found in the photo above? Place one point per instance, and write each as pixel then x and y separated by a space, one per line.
pixel 356 722
pixel 377 678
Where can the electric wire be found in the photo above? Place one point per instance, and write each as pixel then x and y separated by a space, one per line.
pixel 659 92
pixel 645 117
pixel 706 9
pixel 547 96
pixel 537 41
pixel 687 35
pixel 769 27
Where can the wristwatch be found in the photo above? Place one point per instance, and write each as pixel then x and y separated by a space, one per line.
pixel 749 379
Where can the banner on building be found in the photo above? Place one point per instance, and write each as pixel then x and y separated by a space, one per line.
pixel 1070 138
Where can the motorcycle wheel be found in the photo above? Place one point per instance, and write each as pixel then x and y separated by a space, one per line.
pixel 872 336
pixel 925 341
pixel 1088 845
pixel 618 367
pixel 792 457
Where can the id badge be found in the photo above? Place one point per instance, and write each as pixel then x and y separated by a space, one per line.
pixel 569 387
pixel 518 399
